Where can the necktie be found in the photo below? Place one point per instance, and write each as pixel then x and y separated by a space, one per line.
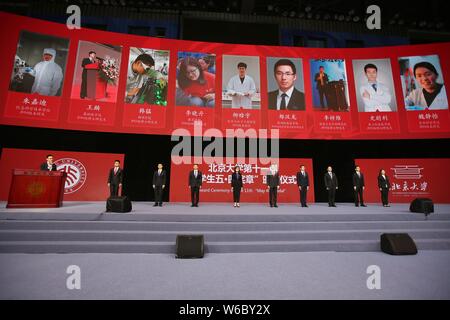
pixel 195 174
pixel 283 101
pixel 303 173
pixel 115 170
pixel 159 172
pixel 374 86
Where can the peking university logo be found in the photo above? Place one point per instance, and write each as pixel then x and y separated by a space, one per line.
pixel 76 174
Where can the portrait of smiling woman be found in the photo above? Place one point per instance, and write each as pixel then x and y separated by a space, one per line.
pixel 195 85
pixel 423 83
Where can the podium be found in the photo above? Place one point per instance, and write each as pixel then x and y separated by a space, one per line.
pixel 96 86
pixel 36 189
pixel 335 93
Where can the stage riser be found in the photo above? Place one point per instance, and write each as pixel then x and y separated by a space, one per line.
pixel 301 217
pixel 218 226
pixel 49 235
pixel 251 228
pixel 169 248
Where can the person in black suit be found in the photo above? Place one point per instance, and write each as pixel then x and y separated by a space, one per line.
pixel 91 59
pixel 159 183
pixel 195 183
pixel 273 184
pixel 321 79
pixel 303 185
pixel 331 183
pixel 48 165
pixel 115 179
pixel 384 185
pixel 358 187
pixel 287 97
pixel 236 185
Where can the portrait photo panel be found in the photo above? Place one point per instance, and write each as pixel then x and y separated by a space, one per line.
pixel 374 85
pixel 147 76
pixel 196 79
pixel 329 84
pixel 422 83
pixel 285 84
pixel 96 74
pixel 241 82
pixel 39 64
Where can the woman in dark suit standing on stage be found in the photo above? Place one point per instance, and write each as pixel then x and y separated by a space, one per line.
pixel 236 185
pixel 384 185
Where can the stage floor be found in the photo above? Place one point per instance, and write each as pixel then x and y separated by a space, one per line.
pixel 251 252
pixel 77 210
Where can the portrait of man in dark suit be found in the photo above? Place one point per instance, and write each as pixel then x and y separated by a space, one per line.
pixel 86 61
pixel 321 79
pixel 286 97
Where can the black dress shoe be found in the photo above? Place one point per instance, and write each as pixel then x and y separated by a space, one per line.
pixel 192 205
pixel 363 205
pixel 275 206
pixel 306 206
pixel 271 206
pixel 160 204
pixel 334 205
pixel 155 205
pixel 356 205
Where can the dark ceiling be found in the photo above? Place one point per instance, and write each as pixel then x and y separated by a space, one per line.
pixel 430 15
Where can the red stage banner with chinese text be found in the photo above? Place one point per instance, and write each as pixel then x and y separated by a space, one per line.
pixel 87 172
pixel 217 181
pixel 50 82
pixel 409 179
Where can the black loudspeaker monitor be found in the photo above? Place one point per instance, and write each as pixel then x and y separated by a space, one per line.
pixel 422 205
pixel 397 244
pixel 118 204
pixel 189 246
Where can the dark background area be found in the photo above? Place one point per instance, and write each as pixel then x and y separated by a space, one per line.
pixel 230 32
pixel 144 152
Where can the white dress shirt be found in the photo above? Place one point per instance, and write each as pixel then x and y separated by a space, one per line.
pixel 286 98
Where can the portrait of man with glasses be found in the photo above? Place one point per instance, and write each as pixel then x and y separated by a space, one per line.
pixel 286 97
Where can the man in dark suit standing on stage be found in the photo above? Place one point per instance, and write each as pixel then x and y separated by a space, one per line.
pixel 358 187
pixel 303 184
pixel 48 165
pixel 331 183
pixel 159 183
pixel 286 97
pixel 195 183
pixel 273 184
pixel 91 59
pixel 115 179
